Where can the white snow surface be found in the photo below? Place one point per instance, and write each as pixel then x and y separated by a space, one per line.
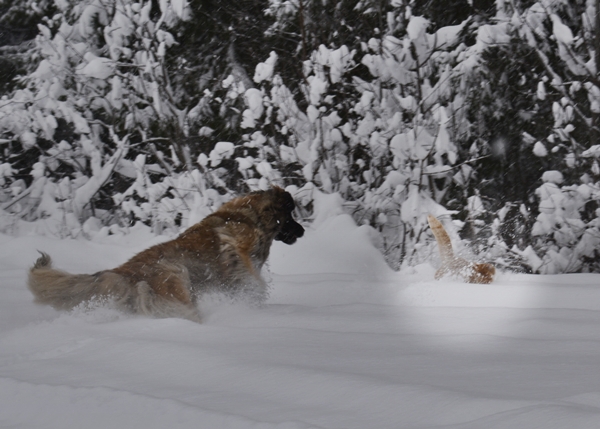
pixel 343 342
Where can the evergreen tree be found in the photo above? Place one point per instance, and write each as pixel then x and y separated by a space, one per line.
pixel 486 111
pixel 18 26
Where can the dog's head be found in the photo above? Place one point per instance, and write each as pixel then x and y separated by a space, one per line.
pixel 282 206
pixel 271 210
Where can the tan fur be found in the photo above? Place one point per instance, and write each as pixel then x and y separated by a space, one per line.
pixel 470 272
pixel 224 252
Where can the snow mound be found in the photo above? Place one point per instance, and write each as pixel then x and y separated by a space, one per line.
pixel 343 341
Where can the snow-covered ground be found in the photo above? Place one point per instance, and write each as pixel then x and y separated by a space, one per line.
pixel 343 342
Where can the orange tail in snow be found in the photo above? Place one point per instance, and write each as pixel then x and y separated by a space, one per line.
pixel 470 272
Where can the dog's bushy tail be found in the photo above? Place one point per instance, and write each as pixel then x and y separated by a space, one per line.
pixel 64 291
pixel 471 272
pixel 442 238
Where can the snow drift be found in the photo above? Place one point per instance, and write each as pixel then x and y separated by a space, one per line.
pixel 343 342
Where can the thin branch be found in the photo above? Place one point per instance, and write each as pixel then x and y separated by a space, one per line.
pixel 468 161
pixel 16 199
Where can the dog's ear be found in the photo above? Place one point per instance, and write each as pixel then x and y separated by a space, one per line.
pixel 282 199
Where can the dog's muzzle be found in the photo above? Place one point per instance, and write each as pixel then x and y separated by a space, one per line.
pixel 290 232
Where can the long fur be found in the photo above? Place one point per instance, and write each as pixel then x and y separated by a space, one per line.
pixel 224 252
pixel 470 272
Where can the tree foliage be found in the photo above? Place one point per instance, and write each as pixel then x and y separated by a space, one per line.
pixel 156 111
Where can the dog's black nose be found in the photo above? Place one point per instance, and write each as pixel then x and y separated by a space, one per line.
pixel 290 232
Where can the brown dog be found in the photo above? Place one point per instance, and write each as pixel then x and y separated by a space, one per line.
pixel 224 252
pixel 470 272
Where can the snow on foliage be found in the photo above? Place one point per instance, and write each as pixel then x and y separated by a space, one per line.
pixel 96 96
pixel 566 227
pixel 383 124
pixel 381 157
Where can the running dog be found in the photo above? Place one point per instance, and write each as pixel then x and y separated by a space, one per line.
pixel 224 253
pixel 470 272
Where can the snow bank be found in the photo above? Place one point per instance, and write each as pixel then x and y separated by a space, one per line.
pixel 343 342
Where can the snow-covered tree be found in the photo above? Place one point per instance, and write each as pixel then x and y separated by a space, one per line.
pixel 157 111
pixel 18 26
pixel 561 39
pixel 99 89
pixel 378 128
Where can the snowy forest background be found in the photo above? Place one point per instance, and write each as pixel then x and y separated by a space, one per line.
pixel 116 111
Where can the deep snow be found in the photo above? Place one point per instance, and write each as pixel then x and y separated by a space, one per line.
pixel 343 342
